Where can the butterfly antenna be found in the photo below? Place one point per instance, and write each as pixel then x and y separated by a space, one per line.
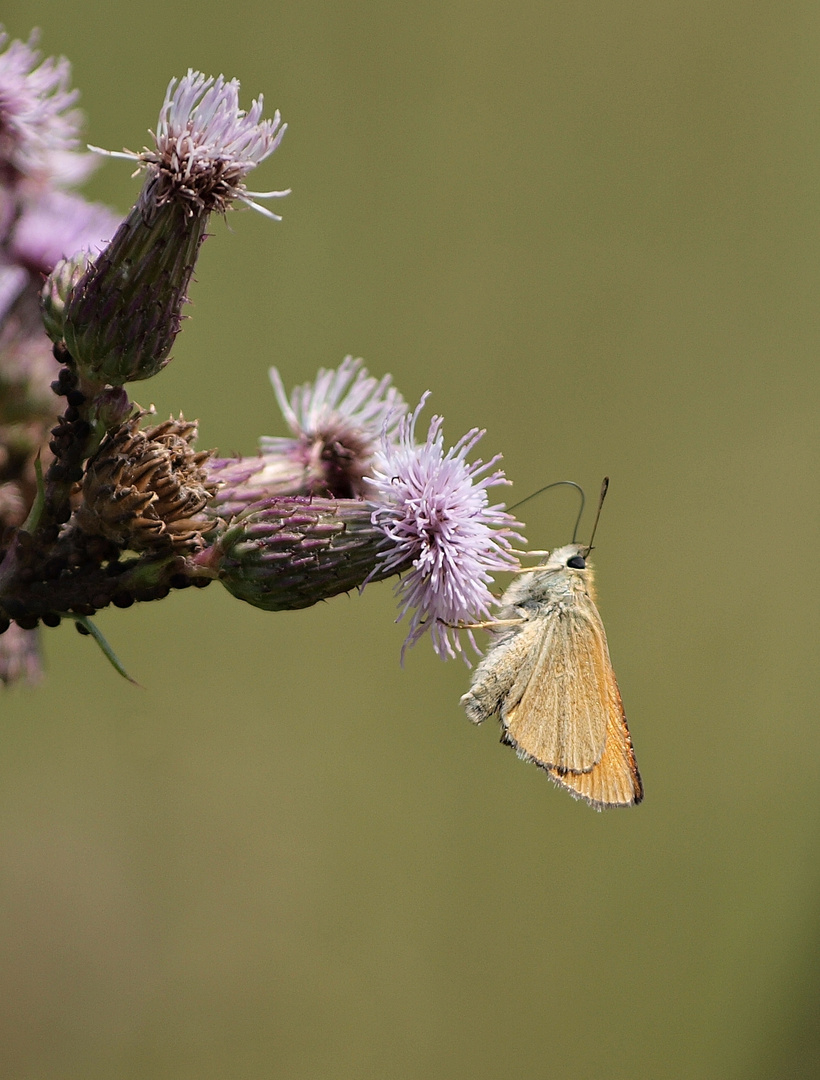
pixel 559 483
pixel 604 489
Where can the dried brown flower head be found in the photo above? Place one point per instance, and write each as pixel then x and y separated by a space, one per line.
pixel 144 489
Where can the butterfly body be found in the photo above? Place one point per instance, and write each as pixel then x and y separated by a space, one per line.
pixel 548 676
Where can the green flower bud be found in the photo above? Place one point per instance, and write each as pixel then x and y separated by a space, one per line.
pixel 56 290
pixel 288 553
pixel 122 316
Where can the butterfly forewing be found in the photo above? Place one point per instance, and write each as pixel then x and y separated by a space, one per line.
pixel 615 780
pixel 560 719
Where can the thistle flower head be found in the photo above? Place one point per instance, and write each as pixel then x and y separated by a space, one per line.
pixel 205 146
pixel 13 280
pixel 432 507
pixel 337 424
pixel 123 315
pixel 58 225
pixel 20 656
pixel 38 125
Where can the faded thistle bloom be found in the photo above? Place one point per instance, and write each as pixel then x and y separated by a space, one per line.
pixel 145 489
pixel 123 315
pixel 336 422
pixel 432 506
pixel 39 126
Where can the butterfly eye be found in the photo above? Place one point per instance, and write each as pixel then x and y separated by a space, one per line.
pixel 577 562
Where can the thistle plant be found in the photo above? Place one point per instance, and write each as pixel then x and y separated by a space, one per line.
pixel 100 502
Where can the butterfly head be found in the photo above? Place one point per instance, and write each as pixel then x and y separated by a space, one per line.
pixel 569 557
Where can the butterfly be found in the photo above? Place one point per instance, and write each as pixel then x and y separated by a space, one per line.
pixel 548 676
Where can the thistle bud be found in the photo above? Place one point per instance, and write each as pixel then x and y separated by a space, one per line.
pixel 288 553
pixel 56 289
pixel 111 408
pixel 236 487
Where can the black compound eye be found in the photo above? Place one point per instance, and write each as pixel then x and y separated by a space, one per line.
pixel 577 562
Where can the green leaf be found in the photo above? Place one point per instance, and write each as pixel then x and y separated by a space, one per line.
pixel 36 512
pixel 108 652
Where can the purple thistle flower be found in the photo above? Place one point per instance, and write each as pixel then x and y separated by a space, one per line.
pixel 432 507
pixel 20 656
pixel 336 399
pixel 122 316
pixel 38 125
pixel 13 280
pixel 58 225
pixel 337 423
pixel 206 145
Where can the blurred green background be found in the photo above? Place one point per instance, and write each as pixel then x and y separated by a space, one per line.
pixel 593 229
